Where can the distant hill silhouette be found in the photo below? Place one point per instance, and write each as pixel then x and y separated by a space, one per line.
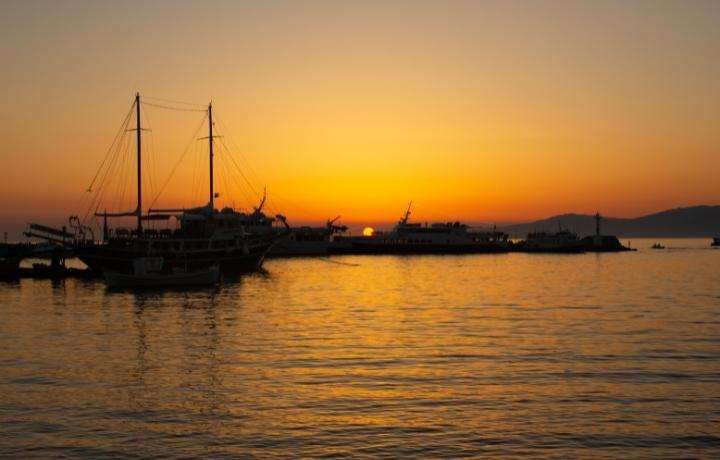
pixel 691 222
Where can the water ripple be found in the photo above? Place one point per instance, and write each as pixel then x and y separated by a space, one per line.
pixel 610 356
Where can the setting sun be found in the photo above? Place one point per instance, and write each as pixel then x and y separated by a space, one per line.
pixel 368 231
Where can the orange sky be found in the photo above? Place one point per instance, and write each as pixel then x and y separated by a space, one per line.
pixel 478 111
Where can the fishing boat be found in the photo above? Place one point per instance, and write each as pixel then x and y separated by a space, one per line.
pixel 414 238
pixel 562 241
pixel 155 272
pixel 204 236
pixel 657 246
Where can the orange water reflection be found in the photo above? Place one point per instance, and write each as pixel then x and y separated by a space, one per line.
pixel 609 354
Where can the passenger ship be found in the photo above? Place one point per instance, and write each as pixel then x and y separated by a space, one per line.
pixel 415 238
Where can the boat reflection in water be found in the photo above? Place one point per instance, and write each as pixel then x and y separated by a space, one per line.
pixel 154 272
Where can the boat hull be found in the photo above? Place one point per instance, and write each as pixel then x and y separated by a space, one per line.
pixel 103 257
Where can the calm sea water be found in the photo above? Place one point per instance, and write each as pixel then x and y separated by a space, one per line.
pixel 515 355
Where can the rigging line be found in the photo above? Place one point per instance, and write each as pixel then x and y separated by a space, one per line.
pixel 193 176
pixel 116 179
pixel 239 151
pixel 219 177
pixel 123 126
pixel 241 188
pixel 250 199
pixel 270 202
pixel 230 192
pixel 179 109
pixel 222 141
pixel 198 157
pixel 121 186
pixel 107 181
pixel 204 106
pixel 149 158
pixel 98 195
pixel 177 164
pixel 222 137
pixel 223 179
pixel 111 184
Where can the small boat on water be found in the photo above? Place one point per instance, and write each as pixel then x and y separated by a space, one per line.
pixel 154 272
pixel 657 246
pixel 716 241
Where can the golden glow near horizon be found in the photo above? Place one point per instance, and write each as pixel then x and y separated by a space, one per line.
pixel 482 111
pixel 368 231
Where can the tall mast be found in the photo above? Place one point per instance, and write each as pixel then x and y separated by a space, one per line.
pixel 210 137
pixel 139 164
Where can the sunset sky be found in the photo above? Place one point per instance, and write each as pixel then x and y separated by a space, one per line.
pixel 477 111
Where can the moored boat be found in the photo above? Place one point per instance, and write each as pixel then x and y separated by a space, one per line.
pixel 236 241
pixel 716 241
pixel 305 240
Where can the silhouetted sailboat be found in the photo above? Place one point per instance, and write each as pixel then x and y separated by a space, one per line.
pixel 233 240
